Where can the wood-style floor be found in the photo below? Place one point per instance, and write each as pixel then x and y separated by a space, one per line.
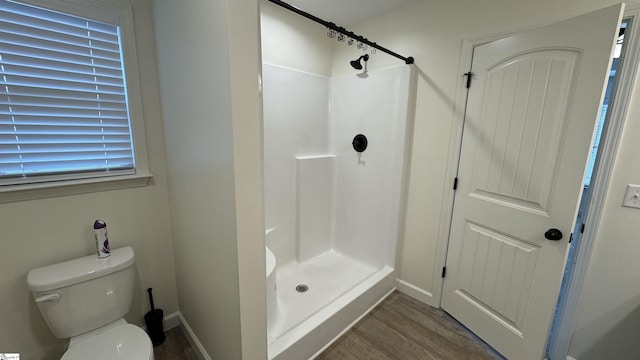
pixel 400 328
pixel 174 347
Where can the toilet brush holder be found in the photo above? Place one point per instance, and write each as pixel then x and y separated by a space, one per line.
pixel 153 320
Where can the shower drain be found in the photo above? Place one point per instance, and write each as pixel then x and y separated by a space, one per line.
pixel 302 288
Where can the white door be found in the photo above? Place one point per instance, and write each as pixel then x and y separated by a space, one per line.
pixel 531 112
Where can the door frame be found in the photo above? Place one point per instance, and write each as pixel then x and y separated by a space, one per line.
pixel 602 171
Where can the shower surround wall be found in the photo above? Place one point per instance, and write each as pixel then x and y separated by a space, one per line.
pixel 368 184
pixel 336 212
pixel 295 113
pixel 300 130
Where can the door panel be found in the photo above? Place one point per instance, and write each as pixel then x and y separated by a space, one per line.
pixel 530 119
pixel 525 115
pixel 497 271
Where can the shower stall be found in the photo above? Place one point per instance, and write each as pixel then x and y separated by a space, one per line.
pixel 333 207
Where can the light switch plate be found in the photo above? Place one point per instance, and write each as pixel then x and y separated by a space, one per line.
pixel 632 196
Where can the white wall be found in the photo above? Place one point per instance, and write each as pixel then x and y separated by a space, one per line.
pixel 46 231
pixel 294 50
pixel 296 123
pixel 368 184
pixel 432 32
pixel 208 63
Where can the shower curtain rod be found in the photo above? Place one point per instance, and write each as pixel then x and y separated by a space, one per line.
pixel 340 29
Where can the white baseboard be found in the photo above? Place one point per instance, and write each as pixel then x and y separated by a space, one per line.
pixel 570 358
pixel 171 321
pixel 196 345
pixel 414 291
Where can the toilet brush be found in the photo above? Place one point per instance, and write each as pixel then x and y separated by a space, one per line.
pixel 153 320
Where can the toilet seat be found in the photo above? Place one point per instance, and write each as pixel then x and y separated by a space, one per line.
pixel 122 342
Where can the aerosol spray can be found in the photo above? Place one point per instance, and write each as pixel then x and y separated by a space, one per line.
pixel 102 240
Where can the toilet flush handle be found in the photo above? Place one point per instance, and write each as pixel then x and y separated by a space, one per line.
pixel 48 297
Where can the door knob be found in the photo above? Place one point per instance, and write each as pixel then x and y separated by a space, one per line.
pixel 553 234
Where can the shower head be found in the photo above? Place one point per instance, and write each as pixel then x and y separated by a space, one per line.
pixel 356 63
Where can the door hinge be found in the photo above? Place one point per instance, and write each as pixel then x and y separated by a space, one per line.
pixel 582 228
pixel 455 184
pixel 469 75
pixel 444 271
pixel 570 238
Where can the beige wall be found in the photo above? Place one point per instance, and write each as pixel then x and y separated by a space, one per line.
pixel 208 60
pixel 41 232
pixel 294 42
pixel 432 32
pixel 246 109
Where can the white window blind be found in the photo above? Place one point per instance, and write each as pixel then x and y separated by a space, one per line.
pixel 63 99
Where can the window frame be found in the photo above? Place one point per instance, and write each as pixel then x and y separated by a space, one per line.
pixel 120 14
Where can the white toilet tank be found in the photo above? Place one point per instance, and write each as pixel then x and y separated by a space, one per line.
pixel 84 294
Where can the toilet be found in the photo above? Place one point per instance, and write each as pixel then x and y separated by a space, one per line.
pixel 85 300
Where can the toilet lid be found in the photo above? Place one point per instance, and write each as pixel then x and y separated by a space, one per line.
pixel 121 342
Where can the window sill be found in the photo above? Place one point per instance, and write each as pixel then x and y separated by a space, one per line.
pixel 13 193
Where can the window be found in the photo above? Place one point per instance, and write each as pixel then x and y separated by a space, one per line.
pixel 64 100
